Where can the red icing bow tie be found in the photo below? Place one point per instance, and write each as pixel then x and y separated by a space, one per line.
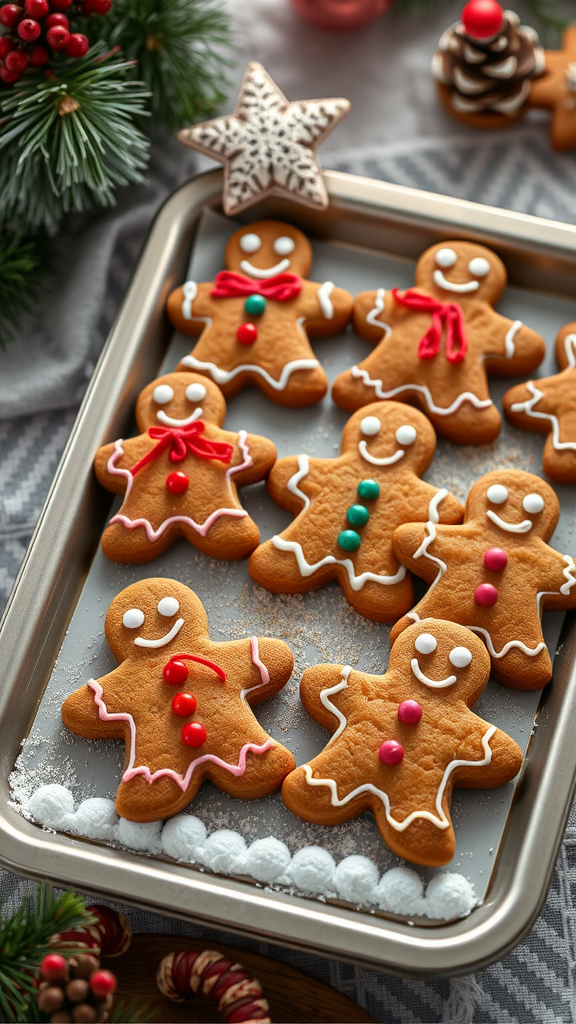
pixel 445 316
pixel 229 284
pixel 181 440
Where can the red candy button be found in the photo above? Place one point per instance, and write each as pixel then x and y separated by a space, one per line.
pixel 193 734
pixel 391 752
pixel 486 595
pixel 247 334
pixel 184 705
pixel 177 482
pixel 175 673
pixel 409 712
pixel 496 559
pixel 482 18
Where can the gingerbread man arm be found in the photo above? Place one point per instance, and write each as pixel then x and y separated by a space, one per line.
pixel 373 315
pixel 80 712
pixel 530 407
pixel 512 348
pixel 556 578
pixel 188 306
pixel 258 451
pixel 504 753
pixel 284 485
pixel 410 542
pixel 440 501
pixel 273 663
pixel 326 309
pixel 324 690
pixel 119 455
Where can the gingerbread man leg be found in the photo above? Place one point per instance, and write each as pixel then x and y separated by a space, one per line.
pixel 139 544
pixel 523 671
pixel 422 842
pixel 379 602
pixel 304 387
pixel 139 800
pixel 263 772
pixel 296 790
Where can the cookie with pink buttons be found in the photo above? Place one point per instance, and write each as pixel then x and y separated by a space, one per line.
pixel 402 741
pixel 548 406
pixel 495 573
pixel 436 343
pixel 180 476
pixel 347 509
pixel 255 319
pixel 181 703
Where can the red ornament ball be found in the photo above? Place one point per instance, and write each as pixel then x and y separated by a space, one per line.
pixel 486 595
pixel 6 44
pixel 60 5
pixel 247 334
pixel 29 30
pixel 77 45
pixel 37 9
pixel 100 6
pixel 482 18
pixel 177 482
pixel 54 967
pixel 58 37
pixel 17 60
pixel 409 712
pixel 193 734
pixel 57 19
pixel 495 559
pixel 38 56
pixel 175 673
pixel 9 76
pixel 184 705
pixel 391 752
pixel 103 983
pixel 10 15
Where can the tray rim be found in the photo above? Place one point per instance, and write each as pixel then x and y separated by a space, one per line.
pixel 444 950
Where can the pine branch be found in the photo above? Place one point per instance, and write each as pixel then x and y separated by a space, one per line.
pixel 25 941
pixel 176 46
pixel 21 281
pixel 68 140
pixel 548 15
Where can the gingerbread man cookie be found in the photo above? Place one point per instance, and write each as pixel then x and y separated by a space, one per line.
pixel 495 573
pixel 180 475
pixel 548 406
pixel 402 741
pixel 349 508
pixel 556 90
pixel 181 703
pixel 255 318
pixel 437 341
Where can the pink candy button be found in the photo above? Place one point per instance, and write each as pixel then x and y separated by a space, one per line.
pixel 496 559
pixel 486 595
pixel 409 712
pixel 391 752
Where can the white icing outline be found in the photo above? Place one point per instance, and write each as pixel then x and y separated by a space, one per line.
pixel 263 272
pixel 356 582
pixel 524 527
pixel 189 291
pixel 325 698
pixel 170 421
pixel 451 286
pixel 255 658
pixel 292 485
pixel 225 376
pixel 509 344
pixel 528 405
pixel 163 640
pixel 466 396
pixel 372 316
pixel 434 684
pixel 388 461
pixel 323 294
pixel 440 820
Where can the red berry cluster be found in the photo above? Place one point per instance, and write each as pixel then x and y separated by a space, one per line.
pixel 37 28
pixel 75 991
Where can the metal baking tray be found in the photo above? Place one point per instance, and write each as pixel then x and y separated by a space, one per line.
pixel 365 219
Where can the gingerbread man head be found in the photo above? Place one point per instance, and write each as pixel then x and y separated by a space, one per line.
pixel 156 616
pixel 388 434
pixel 446 659
pixel 512 503
pixel 455 271
pixel 267 248
pixel 178 399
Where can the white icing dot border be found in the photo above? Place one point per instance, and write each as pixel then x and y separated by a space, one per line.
pixel 311 871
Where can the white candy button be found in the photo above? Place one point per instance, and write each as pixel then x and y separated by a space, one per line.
pixel 460 657
pixel 446 257
pixel 370 425
pixel 168 606
pixel 479 266
pixel 533 503
pixel 425 643
pixel 284 245
pixel 497 494
pixel 195 392
pixel 406 434
pixel 162 394
pixel 133 618
pixel 250 243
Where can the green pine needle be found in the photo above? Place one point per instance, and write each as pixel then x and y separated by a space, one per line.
pixel 176 45
pixel 68 140
pixel 25 941
pixel 21 283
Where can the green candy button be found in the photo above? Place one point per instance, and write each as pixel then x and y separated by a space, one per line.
pixel 349 540
pixel 255 305
pixel 368 489
pixel 358 515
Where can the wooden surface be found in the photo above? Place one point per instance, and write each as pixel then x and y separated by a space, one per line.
pixel 294 998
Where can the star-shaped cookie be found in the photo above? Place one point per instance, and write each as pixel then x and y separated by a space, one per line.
pixel 556 90
pixel 268 144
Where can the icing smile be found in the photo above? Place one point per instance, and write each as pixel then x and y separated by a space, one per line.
pixel 163 640
pixel 452 286
pixel 522 527
pixel 278 268
pixel 388 461
pixel 436 684
pixel 169 421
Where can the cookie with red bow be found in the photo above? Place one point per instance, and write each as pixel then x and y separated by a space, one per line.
pixel 180 476
pixel 436 343
pixel 255 318
pixel 182 703
pixel 402 741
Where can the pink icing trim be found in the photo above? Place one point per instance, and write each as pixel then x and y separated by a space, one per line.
pixel 248 460
pixel 151 533
pixel 182 780
pixel 264 673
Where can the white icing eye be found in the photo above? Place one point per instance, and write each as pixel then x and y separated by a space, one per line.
pixel 425 643
pixel 168 606
pixel 497 494
pixel 284 245
pixel 250 243
pixel 133 618
pixel 446 257
pixel 195 392
pixel 406 434
pixel 533 503
pixel 162 394
pixel 479 267
pixel 460 657
pixel 370 426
